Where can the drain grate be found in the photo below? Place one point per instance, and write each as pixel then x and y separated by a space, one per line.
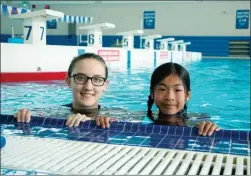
pixel 86 158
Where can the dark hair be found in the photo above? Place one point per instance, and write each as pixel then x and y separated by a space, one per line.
pixel 87 56
pixel 161 73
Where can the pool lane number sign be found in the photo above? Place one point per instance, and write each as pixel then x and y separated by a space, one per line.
pixel 242 19
pixel 34 31
pixel 94 38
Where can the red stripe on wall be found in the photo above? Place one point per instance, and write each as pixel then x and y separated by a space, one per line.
pixel 32 76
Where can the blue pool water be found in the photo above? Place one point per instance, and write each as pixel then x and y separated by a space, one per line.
pixel 220 88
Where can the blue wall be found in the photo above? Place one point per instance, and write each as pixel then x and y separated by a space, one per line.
pixel 208 45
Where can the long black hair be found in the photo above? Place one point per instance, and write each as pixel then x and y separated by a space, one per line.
pixel 161 73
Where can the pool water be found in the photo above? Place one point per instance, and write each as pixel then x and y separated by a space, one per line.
pixel 219 88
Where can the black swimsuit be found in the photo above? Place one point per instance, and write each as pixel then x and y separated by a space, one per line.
pixel 88 112
pixel 182 118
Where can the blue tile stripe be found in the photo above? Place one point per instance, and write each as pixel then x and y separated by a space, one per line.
pixel 137 134
pixel 128 59
pixel 155 59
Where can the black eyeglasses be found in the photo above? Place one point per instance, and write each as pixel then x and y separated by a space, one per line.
pixel 82 79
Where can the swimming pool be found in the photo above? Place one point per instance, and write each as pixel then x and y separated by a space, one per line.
pixel 220 88
pixel 214 86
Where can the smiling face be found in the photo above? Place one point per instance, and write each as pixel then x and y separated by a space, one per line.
pixel 86 96
pixel 170 95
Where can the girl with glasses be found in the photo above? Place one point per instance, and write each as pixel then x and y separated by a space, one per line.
pixel 87 78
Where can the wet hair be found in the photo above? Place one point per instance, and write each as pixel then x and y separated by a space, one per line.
pixel 87 56
pixel 161 73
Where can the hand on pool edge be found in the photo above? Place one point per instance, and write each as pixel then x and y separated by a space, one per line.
pixel 23 115
pixel 75 119
pixel 104 121
pixel 206 128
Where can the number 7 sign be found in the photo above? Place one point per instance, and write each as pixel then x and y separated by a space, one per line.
pixel 34 31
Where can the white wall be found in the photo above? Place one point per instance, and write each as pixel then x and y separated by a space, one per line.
pixel 52 58
pixel 201 18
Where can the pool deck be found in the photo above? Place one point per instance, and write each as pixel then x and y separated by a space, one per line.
pixel 57 156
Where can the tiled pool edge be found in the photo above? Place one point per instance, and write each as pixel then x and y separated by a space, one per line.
pixel 172 133
pixel 130 126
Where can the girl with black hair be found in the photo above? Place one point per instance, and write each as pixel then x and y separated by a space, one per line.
pixel 170 91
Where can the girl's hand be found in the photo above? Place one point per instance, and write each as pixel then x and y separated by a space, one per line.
pixel 75 119
pixel 23 115
pixel 103 121
pixel 207 128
